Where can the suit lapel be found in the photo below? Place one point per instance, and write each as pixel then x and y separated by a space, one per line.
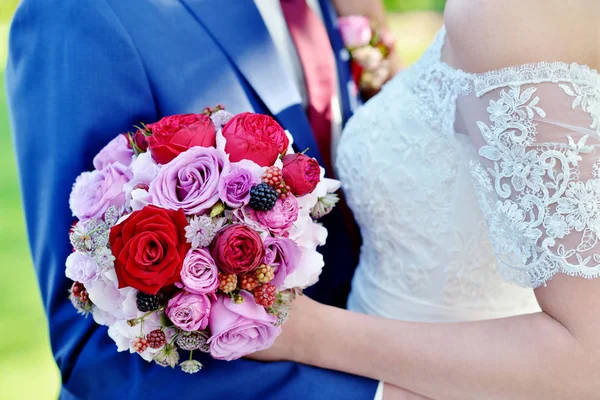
pixel 238 28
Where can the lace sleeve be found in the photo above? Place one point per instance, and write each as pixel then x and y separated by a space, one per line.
pixel 537 132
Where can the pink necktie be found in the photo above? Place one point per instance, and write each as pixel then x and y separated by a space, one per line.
pixel 316 56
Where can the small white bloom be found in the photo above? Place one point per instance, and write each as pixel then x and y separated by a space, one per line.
pixel 167 356
pixel 202 230
pixel 511 232
pixel 105 258
pixel 498 111
pixel 324 205
pixel 581 205
pixel 190 366
pixel 556 226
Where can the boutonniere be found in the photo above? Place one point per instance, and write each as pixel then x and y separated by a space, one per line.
pixel 370 47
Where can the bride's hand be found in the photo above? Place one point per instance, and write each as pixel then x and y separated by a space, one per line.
pixel 297 333
pixel 298 338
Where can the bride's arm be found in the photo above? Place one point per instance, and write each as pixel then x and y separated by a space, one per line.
pixel 549 355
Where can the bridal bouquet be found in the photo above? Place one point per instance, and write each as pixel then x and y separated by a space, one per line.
pixel 194 234
pixel 369 47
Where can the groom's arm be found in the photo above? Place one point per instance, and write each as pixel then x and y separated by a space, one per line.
pixel 75 80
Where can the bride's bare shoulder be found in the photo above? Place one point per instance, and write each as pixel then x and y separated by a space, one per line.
pixel 490 34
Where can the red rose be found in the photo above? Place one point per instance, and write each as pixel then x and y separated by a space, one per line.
pixel 237 249
pixel 175 134
pixel 301 173
pixel 149 248
pixel 255 137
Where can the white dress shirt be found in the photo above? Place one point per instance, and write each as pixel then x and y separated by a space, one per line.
pixel 277 27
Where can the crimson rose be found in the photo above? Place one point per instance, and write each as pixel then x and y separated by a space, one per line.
pixel 301 173
pixel 237 249
pixel 149 248
pixel 255 137
pixel 175 134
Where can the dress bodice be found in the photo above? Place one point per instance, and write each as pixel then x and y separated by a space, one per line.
pixel 459 193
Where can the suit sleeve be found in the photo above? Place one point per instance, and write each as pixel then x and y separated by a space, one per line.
pixel 74 81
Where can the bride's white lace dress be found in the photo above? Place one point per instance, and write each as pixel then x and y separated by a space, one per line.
pixel 472 189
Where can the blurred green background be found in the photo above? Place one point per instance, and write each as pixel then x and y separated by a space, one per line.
pixel 27 370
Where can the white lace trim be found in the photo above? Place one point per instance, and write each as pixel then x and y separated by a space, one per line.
pixel 534 73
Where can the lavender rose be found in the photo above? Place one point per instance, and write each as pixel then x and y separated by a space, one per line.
pixel 236 182
pixel 281 218
pixel 94 192
pixel 117 150
pixel 82 268
pixel 240 329
pixel 190 181
pixel 189 311
pixel 199 273
pixel 283 255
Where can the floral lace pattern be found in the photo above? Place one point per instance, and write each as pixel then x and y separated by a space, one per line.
pixel 543 217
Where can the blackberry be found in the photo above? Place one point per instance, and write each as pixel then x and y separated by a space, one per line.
pixel 263 197
pixel 149 302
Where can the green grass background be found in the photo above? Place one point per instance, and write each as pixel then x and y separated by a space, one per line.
pixel 27 370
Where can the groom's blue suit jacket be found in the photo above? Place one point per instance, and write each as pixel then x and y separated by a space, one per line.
pixel 82 71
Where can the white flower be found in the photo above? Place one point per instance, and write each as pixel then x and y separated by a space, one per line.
pixel 167 356
pixel 221 118
pixel 105 258
pixel 498 111
pixel 190 366
pixel 522 167
pixel 581 205
pixel 308 270
pixel 80 239
pixel 511 233
pixel 556 226
pixel 139 198
pixel 124 335
pixel 144 170
pixel 106 295
pixel 307 233
pixel 202 230
pixel 324 205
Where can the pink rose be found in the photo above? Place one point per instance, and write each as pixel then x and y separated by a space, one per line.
pixel 281 218
pixel 175 134
pixel 117 150
pixel 356 30
pixel 188 311
pixel 301 173
pixel 254 137
pixel 240 329
pixel 199 273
